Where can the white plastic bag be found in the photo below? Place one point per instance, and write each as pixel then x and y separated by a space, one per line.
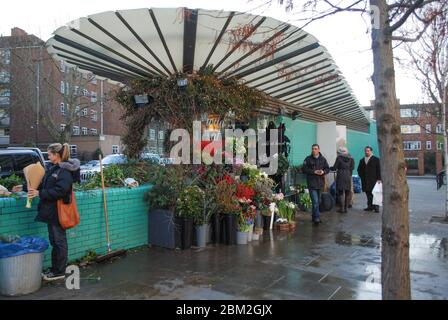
pixel 378 194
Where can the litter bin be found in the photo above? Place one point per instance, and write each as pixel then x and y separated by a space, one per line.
pixel 21 265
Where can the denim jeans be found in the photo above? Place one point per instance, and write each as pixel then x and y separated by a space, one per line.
pixel 315 199
pixel 59 252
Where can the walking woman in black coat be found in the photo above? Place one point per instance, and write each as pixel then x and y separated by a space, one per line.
pixel 344 166
pixel 370 173
pixel 56 184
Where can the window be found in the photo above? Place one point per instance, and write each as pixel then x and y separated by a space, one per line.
pixel 439 145
pixel 6 164
pixel 93 131
pixel 62 87
pixel 161 135
pixel 412 145
pixel 439 128
pixel 5 95
pixel 161 151
pixel 428 128
pixel 411 163
pixel 152 134
pixel 84 131
pixel 85 92
pixel 75 130
pixel 408 113
pixel 62 108
pixel 62 127
pixel 115 149
pixel 5 76
pixel 94 115
pixel 407 129
pixel 5 56
pixel 73 151
pixel 428 145
pixel 62 66
pixel 77 110
pixel 84 112
pixel 93 80
pixel 76 90
pixel 23 160
pixel 93 97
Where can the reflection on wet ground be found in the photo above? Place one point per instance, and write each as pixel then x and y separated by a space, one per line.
pixel 341 259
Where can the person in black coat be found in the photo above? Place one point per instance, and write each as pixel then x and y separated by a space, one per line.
pixel 315 167
pixel 370 173
pixel 56 184
pixel 344 166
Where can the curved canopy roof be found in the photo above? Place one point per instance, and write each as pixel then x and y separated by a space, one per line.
pixel 277 58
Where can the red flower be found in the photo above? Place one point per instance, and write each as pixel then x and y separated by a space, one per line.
pixel 245 192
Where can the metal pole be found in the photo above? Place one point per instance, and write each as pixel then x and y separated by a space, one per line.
pixel 38 96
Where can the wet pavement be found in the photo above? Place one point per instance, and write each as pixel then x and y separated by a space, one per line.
pixel 338 260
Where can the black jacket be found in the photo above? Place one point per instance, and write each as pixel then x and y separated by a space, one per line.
pixel 344 166
pixel 312 164
pixel 56 184
pixel 369 173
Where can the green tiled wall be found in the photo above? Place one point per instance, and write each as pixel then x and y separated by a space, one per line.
pixel 128 221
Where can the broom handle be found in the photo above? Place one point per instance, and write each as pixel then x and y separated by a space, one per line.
pixel 105 205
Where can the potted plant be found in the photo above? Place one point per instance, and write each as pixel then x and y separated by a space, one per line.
pixel 263 187
pixel 243 232
pixel 287 211
pixel 190 208
pixel 164 228
pixel 305 201
pixel 246 220
pixel 227 204
pixel 282 221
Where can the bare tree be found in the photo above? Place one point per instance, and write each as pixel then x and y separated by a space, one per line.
pixel 429 61
pixel 387 17
pixel 38 93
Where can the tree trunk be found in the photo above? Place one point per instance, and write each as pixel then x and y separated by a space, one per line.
pixel 445 133
pixel 395 277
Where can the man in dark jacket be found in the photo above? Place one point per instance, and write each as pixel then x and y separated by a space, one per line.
pixel 370 174
pixel 315 167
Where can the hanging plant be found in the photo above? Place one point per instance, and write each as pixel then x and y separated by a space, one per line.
pixel 180 106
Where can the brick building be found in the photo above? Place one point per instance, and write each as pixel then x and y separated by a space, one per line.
pixel 42 101
pixel 422 138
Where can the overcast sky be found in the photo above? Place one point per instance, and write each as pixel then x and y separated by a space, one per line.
pixel 344 35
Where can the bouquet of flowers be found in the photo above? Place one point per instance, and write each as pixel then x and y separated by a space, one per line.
pixel 34 174
pixel 247 217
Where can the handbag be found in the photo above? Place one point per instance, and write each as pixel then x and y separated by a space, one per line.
pixel 68 212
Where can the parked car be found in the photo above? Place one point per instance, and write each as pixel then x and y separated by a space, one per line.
pixel 45 155
pixel 39 153
pixel 89 169
pixel 12 161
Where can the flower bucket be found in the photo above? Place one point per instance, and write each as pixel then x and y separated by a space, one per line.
pixel 241 237
pixel 255 236
pixel 251 231
pixel 201 236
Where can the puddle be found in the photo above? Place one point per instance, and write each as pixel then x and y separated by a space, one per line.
pixel 347 239
pixel 421 244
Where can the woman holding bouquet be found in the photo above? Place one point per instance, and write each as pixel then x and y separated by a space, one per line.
pixel 56 184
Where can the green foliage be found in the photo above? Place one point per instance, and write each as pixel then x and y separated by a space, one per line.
pixel 190 204
pixel 305 200
pixel 180 106
pixel 226 199
pixel 168 182
pixel 113 177
pixel 11 181
pixel 283 165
